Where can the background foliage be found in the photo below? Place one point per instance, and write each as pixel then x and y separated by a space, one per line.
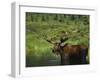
pixel 42 26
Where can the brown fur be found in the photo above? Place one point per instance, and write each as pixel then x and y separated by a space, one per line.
pixel 73 49
pixel 70 54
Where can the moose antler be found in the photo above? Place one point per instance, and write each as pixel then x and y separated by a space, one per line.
pixel 50 40
pixel 53 40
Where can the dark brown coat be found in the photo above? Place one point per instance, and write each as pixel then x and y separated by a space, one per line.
pixel 71 54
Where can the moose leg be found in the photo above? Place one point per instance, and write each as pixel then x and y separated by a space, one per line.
pixel 64 59
pixel 83 56
pixel 75 59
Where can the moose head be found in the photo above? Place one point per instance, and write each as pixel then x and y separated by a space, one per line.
pixel 62 37
pixel 56 45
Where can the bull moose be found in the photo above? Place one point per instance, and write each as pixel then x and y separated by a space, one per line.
pixel 70 54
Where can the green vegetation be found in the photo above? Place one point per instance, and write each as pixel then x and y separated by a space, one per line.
pixel 41 26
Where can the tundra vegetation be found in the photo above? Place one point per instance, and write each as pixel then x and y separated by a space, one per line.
pixel 43 26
